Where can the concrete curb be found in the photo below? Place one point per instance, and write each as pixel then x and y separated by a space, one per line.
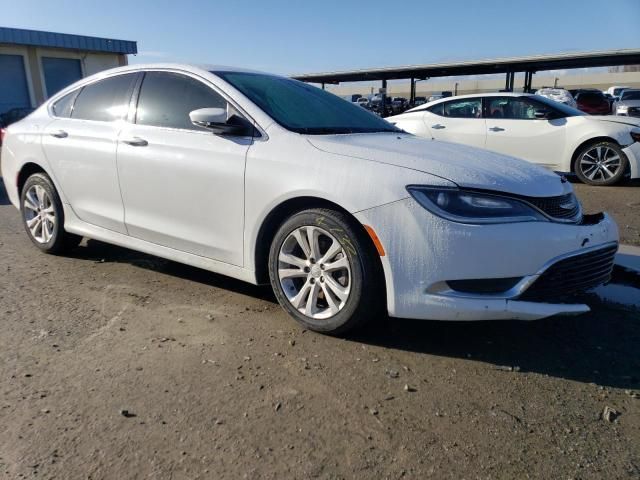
pixel 628 256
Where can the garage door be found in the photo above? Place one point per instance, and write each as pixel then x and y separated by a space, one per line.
pixel 59 73
pixel 14 90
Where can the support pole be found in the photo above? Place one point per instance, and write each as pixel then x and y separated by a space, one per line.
pixel 412 95
pixel 323 85
pixel 383 98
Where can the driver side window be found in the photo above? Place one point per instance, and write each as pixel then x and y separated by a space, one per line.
pixel 167 98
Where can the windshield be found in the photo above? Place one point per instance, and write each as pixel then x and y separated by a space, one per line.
pixel 303 108
pixel 565 109
pixel 630 95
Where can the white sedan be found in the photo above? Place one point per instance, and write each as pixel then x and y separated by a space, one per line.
pixel 600 150
pixel 267 179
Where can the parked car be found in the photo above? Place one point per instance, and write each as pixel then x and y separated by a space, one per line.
pixel 600 150
pixel 559 95
pixel 616 90
pixel 419 101
pixel 629 103
pixel 363 102
pixel 268 179
pixel 592 102
pixel 399 105
pixel 12 116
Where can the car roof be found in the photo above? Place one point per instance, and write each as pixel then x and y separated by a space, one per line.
pixel 470 95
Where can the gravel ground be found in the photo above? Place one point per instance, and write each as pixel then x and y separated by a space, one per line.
pixel 116 364
pixel 621 201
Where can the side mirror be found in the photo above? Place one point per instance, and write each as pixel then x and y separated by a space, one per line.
pixel 215 119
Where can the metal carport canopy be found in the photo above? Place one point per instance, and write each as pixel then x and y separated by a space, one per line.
pixel 534 63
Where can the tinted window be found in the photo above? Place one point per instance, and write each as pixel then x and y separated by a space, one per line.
pixel 304 108
pixel 62 108
pixel 590 97
pixel 166 99
pixel 106 100
pixel 438 109
pixel 463 108
pixel 630 95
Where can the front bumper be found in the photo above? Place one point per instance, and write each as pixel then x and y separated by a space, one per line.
pixel 424 251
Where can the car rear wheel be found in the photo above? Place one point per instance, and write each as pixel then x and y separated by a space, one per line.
pixel 602 163
pixel 43 216
pixel 324 273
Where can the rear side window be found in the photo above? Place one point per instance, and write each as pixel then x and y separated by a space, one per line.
pixel 106 100
pixel 166 99
pixel 463 108
pixel 63 107
pixel 438 109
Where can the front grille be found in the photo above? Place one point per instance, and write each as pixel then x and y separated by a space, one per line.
pixel 573 275
pixel 633 112
pixel 563 207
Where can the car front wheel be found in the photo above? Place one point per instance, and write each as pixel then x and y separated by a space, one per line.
pixel 43 216
pixel 324 273
pixel 602 163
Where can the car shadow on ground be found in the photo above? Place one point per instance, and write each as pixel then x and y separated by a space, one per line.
pixel 100 252
pixel 599 347
pixel 625 183
pixel 4 199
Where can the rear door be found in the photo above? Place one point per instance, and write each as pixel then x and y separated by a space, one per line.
pixel 182 186
pixel 80 144
pixel 513 129
pixel 458 121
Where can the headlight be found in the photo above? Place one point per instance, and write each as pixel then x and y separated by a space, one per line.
pixel 473 207
pixel 622 108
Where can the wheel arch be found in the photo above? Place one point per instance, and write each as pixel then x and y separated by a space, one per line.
pixel 26 171
pixel 284 210
pixel 591 141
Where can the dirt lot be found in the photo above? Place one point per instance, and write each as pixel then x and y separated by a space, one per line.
pixel 120 365
pixel 622 202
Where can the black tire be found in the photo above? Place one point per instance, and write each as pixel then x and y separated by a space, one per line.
pixel 585 170
pixel 59 240
pixel 365 299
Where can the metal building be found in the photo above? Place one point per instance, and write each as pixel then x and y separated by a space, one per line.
pixel 34 64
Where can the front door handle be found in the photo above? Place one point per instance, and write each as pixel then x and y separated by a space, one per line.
pixel 437 126
pixel 135 142
pixel 496 129
pixel 59 134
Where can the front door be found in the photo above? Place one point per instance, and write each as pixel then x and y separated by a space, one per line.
pixel 513 129
pixel 182 186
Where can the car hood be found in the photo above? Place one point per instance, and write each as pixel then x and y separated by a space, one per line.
pixel 466 166
pixel 635 122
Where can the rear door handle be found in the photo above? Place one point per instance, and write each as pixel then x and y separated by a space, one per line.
pixel 496 129
pixel 59 134
pixel 437 126
pixel 135 142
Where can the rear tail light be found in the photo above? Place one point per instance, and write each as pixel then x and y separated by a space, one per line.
pixel 2 132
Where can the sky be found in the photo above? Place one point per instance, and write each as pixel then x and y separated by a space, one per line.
pixel 290 37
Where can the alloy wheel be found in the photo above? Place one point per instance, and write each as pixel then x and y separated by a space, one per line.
pixel 600 163
pixel 39 214
pixel 314 272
